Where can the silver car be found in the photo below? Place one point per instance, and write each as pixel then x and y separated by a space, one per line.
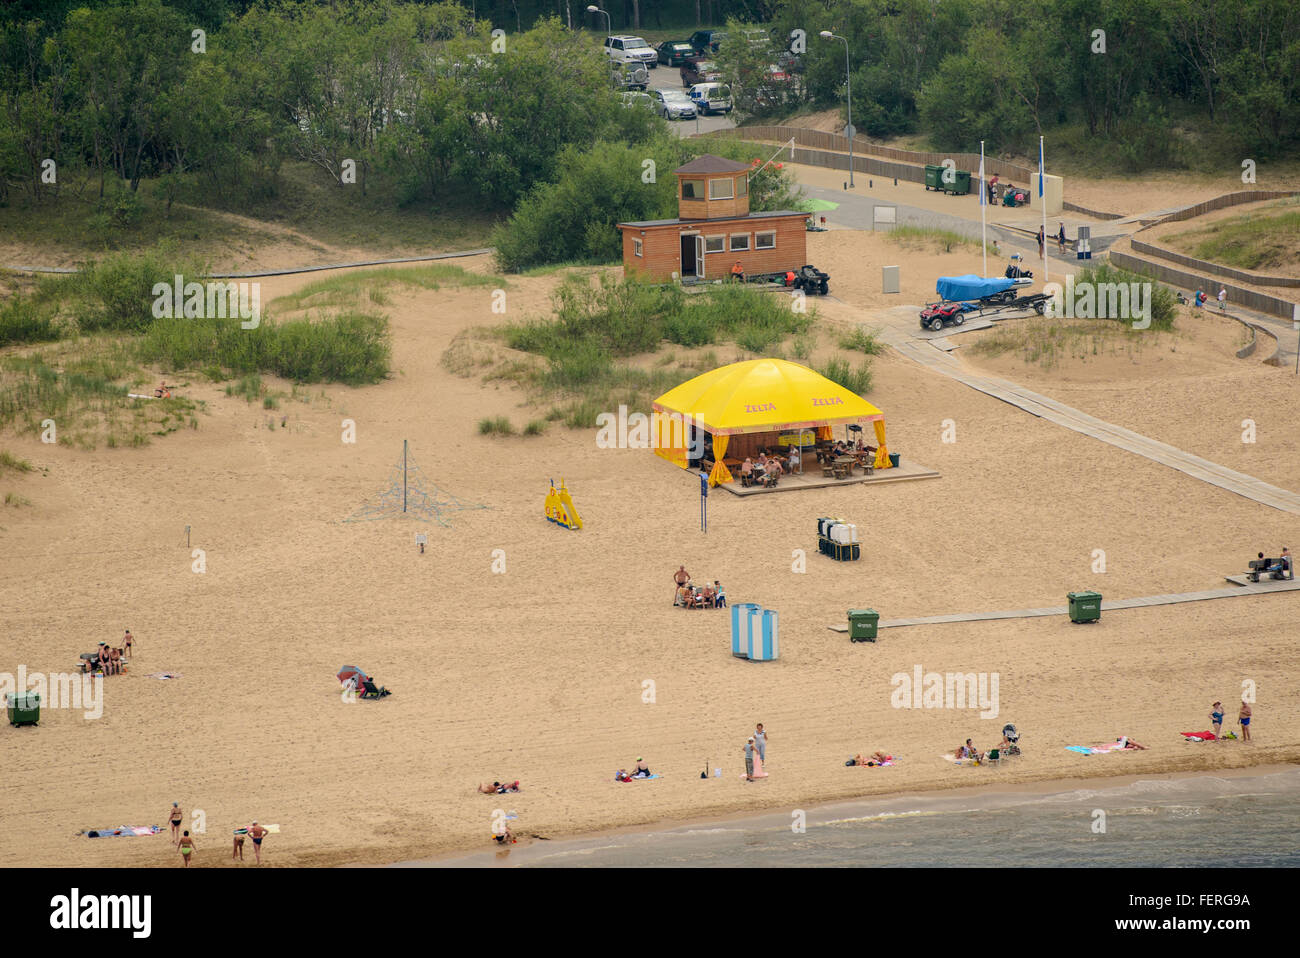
pixel 674 105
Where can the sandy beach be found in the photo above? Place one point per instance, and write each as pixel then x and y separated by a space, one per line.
pixel 537 673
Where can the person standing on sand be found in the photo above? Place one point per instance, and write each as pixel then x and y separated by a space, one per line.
pixel 681 576
pixel 1216 719
pixel 238 851
pixel 1042 245
pixel 128 641
pixel 186 847
pixel 749 759
pixel 760 742
pixel 1243 716
pixel 257 833
pixel 176 817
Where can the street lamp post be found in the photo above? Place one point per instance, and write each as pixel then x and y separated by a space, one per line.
pixel 848 89
pixel 595 9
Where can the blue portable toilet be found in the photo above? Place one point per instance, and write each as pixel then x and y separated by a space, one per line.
pixel 740 628
pixel 764 639
pixel 752 630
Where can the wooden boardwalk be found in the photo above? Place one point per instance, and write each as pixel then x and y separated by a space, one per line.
pixel 1047 408
pixel 1112 605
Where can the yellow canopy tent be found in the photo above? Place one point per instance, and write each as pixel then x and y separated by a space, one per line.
pixel 759 395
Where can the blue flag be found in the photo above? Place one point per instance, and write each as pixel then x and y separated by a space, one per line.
pixel 1040 166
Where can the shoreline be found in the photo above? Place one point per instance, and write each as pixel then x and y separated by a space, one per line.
pixel 823 812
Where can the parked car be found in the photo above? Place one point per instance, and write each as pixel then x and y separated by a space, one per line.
pixel 626 49
pixel 711 98
pixel 672 52
pixel 673 105
pixel 707 41
pixel 633 99
pixel 699 70
pixel 630 76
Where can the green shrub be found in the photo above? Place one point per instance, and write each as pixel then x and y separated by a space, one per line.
pixel 863 340
pixel 496 425
pixel 854 380
pixel 23 321
pixel 535 428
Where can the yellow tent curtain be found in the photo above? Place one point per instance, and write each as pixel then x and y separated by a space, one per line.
pixel 720 472
pixel 825 434
pixel 882 454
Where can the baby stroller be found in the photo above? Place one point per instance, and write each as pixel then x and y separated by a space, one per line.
pixel 1011 735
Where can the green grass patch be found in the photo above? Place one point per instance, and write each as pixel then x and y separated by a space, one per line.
pixel 353 289
pixel 856 380
pixel 1164 302
pixel 9 461
pixel 863 339
pixel 495 426
pixel 931 237
pixel 13 499
pixel 1047 343
pixel 1256 241
pixel 535 428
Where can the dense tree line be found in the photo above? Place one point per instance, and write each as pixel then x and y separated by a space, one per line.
pixel 421 94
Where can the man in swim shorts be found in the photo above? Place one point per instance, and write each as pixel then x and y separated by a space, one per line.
pixel 257 833
pixel 1243 716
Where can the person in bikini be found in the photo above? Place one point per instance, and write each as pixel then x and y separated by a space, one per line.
pixel 238 851
pixel 257 833
pixel 186 847
pixel 176 817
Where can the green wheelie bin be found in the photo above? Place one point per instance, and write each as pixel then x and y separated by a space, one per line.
pixel 1084 606
pixel 934 178
pixel 24 708
pixel 863 624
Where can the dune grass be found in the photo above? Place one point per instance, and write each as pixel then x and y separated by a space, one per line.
pixel 372 285
pixel 1257 241
pixel 856 380
pixel 8 461
pixel 1048 342
pixel 931 237
pixel 863 339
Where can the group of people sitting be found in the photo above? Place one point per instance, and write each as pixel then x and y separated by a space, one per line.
pixel 766 469
pixel 1007 746
pixel 107 659
pixel 841 448
pixel 690 596
pixel 498 788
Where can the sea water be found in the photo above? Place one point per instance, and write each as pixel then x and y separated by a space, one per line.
pixel 1200 821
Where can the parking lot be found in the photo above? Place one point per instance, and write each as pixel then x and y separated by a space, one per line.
pixel 670 78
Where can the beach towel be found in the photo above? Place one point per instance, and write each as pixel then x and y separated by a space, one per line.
pixel 643 778
pixel 1096 749
pixel 1198 736
pixel 271 829
pixel 163 675
pixel 124 831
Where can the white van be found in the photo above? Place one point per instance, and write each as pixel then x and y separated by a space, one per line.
pixel 711 97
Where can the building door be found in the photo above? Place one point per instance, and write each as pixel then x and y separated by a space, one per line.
pixel 688 255
pixel 699 256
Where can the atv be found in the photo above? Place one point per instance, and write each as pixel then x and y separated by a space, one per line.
pixel 812 280
pixel 938 315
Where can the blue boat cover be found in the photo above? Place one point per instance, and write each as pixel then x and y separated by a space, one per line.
pixel 970 286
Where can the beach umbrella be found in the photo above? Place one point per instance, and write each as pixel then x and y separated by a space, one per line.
pixel 348 671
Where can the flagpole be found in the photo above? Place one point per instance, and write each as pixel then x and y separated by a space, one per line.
pixel 1043 201
pixel 984 238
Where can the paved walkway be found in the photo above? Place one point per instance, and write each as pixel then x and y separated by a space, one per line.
pixel 1106 606
pixel 1044 407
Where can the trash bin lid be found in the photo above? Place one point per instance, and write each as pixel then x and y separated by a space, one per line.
pixel 853 613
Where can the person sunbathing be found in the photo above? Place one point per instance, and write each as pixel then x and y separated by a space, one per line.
pixel 115 661
pixel 371 691
pixel 707 597
pixel 681 596
pixel 1126 742
pixel 163 391
pixel 498 788
pixel 970 751
pixel 642 770
pixel 876 758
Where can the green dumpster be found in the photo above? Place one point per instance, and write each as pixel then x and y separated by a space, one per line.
pixel 961 185
pixel 934 178
pixel 24 708
pixel 1084 606
pixel 862 625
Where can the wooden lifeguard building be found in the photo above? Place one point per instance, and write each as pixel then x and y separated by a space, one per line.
pixel 714 229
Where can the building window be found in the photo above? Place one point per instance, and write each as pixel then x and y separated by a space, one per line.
pixel 636 247
pixel 742 185
pixel 693 189
pixel 715 244
pixel 739 242
pixel 765 240
pixel 722 189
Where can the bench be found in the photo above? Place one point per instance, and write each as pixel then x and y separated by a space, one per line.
pixel 1256 566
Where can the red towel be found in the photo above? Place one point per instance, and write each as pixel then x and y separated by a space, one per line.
pixel 1204 736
